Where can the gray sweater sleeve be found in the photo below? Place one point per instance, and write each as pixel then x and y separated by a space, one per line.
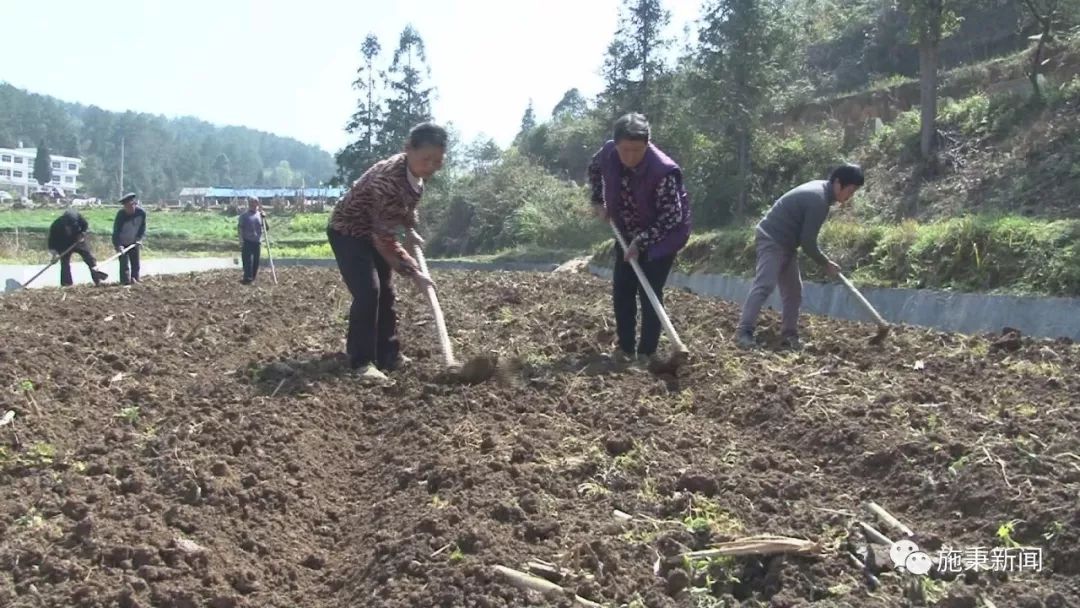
pixel 812 222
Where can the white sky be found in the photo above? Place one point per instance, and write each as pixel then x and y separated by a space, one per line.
pixel 287 67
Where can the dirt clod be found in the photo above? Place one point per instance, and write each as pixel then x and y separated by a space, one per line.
pixel 618 445
pixel 958 601
pixel 84 528
pixel 696 482
pixel 677 580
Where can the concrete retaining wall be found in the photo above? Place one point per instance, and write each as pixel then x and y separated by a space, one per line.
pixel 968 313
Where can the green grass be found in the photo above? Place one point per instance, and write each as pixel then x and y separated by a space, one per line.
pixel 320 250
pixel 979 253
pixel 171 233
pixel 195 225
pixel 177 233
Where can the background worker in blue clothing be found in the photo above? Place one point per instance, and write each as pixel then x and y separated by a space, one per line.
pixel 69 231
pixel 250 229
pixel 129 227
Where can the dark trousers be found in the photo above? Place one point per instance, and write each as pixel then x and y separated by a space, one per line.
pixel 249 255
pixel 627 290
pixel 129 266
pixel 372 336
pixel 65 262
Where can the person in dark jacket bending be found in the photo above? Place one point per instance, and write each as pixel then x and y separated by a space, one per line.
pixel 638 187
pixel 129 227
pixel 67 235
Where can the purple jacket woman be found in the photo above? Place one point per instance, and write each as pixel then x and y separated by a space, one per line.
pixel 640 189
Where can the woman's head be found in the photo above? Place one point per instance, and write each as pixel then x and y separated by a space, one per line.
pixel 631 135
pixel 425 149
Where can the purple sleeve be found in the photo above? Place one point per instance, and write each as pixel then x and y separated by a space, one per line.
pixel 596 180
pixel 668 211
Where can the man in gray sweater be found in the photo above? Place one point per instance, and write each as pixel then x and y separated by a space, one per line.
pixel 793 221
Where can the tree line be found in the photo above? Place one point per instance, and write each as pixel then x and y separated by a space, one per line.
pixel 709 101
pixel 161 155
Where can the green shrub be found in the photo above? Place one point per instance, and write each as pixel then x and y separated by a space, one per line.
pixel 898 139
pixel 970 115
pixel 798 158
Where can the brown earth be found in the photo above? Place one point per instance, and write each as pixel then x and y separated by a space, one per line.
pixel 196 442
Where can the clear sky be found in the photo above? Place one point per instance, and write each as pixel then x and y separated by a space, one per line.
pixel 286 66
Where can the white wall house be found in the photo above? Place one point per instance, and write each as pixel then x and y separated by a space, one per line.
pixel 17 171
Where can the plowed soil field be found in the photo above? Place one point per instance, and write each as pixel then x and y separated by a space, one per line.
pixel 196 442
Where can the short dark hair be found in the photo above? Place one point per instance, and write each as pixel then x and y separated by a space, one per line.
pixel 848 174
pixel 631 127
pixel 427 134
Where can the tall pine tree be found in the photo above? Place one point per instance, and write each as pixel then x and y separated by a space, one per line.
pixel 410 101
pixel 572 105
pixel 635 61
pixel 43 164
pixel 743 48
pixel 366 122
pixel 222 170
pixel 528 123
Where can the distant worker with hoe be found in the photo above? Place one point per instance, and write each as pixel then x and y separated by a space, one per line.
pixel 129 227
pixel 250 229
pixel 794 221
pixel 67 235
pixel 641 190
pixel 362 234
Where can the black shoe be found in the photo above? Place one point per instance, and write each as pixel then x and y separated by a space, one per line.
pixel 791 343
pixel 98 276
pixel 245 281
pixel 745 339
pixel 401 362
